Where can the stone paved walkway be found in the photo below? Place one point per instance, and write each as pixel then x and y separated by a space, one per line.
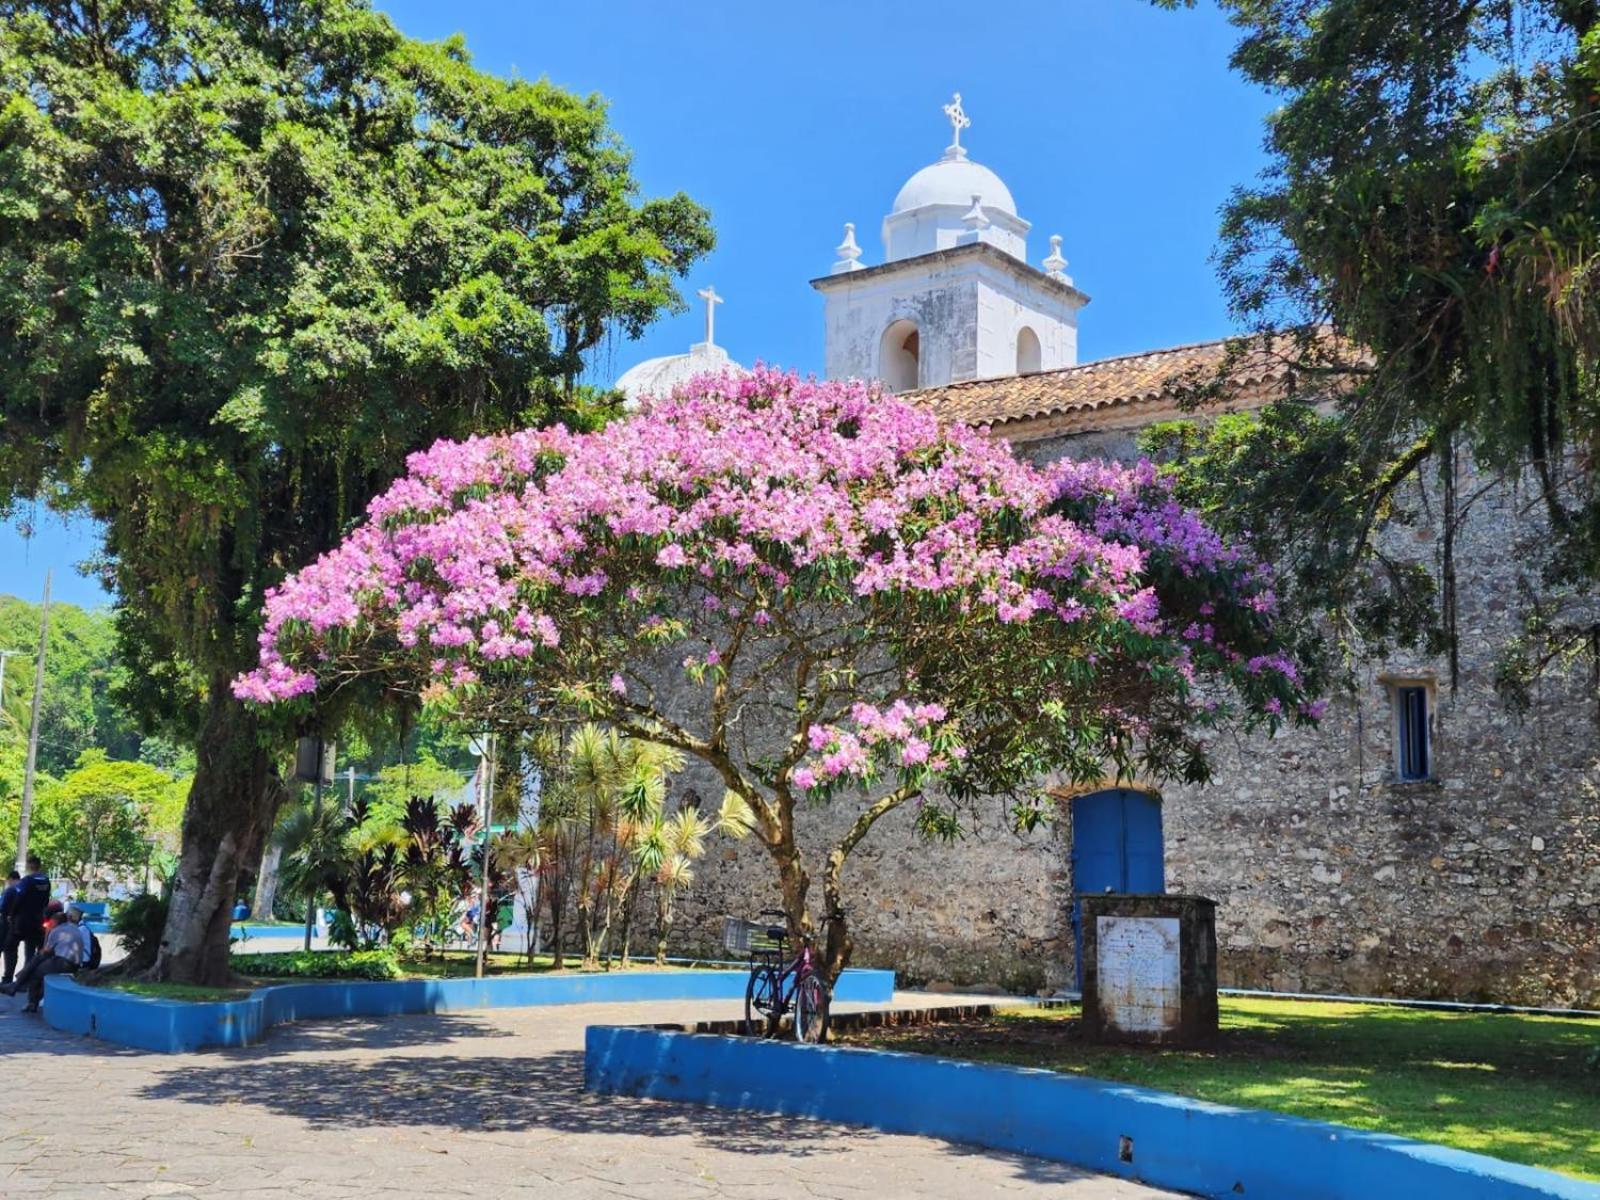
pixel 482 1105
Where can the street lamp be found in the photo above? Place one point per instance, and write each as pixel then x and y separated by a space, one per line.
pixel 486 749
pixel 313 763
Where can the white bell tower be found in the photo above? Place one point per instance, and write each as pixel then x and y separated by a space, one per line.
pixel 954 298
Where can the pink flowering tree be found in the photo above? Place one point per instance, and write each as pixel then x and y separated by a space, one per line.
pixel 820 591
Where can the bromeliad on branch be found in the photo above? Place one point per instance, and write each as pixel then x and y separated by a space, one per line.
pixel 868 606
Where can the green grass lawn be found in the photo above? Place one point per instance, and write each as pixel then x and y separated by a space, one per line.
pixel 1516 1087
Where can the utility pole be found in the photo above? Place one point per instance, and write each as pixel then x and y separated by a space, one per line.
pixel 486 807
pixel 313 763
pixel 33 733
pixel 316 811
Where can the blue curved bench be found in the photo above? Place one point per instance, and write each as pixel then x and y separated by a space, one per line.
pixel 175 1026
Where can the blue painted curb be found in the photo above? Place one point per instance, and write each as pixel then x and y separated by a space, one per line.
pixel 1189 1145
pixel 175 1026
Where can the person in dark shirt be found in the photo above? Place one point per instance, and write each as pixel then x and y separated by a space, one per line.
pixel 8 945
pixel 62 954
pixel 27 915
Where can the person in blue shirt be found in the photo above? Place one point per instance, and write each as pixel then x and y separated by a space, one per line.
pixel 8 901
pixel 27 913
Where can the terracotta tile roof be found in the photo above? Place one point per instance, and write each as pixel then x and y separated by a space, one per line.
pixel 1157 378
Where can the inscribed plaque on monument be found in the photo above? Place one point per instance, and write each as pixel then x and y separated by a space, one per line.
pixel 1137 962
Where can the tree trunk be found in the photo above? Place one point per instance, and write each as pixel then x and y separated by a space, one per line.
pixel 796 884
pixel 591 945
pixel 267 881
pixel 630 901
pixel 663 924
pixel 837 944
pixel 557 898
pixel 227 817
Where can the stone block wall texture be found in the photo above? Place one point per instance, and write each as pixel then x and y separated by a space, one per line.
pixel 1482 883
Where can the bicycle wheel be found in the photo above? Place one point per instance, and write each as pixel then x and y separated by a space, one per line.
pixel 810 1011
pixel 761 1003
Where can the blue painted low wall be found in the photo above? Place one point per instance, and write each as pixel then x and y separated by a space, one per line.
pixel 174 1026
pixel 1189 1145
pixel 248 931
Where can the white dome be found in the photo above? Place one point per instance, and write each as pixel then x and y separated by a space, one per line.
pixel 658 376
pixel 954 180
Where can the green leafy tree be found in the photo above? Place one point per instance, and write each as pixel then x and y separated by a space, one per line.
pixel 395 785
pixel 106 814
pixel 82 674
pixel 1431 195
pixel 251 255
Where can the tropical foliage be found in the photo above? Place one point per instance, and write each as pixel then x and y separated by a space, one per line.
pixel 108 817
pixel 606 838
pixel 82 675
pixel 383 876
pixel 817 590
pixel 251 255
pixel 1431 196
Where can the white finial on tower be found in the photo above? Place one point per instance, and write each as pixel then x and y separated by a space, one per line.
pixel 975 220
pixel 1055 265
pixel 958 121
pixel 849 253
pixel 709 295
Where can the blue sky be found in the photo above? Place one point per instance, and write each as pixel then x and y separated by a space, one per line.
pixel 1114 124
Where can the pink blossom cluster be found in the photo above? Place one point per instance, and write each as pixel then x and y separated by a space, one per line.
pixel 495 551
pixel 902 728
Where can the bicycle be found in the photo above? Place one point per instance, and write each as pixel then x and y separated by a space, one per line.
pixel 776 987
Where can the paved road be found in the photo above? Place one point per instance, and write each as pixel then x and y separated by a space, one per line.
pixel 483 1105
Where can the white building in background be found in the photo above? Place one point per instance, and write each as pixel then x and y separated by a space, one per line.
pixel 1421 842
pixel 658 376
pixel 955 297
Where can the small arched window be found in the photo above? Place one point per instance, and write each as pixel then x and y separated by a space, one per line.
pixel 1029 355
pixel 898 357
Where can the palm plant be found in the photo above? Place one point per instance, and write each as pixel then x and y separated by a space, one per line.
pixel 644 768
pixel 682 840
pixel 522 853
pixel 315 849
pixel 436 866
pixel 605 836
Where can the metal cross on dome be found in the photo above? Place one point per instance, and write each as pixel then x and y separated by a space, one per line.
pixel 709 295
pixel 958 121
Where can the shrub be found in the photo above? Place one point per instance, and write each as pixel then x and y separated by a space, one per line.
pixel 321 964
pixel 138 925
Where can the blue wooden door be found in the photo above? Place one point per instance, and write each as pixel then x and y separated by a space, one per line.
pixel 1116 847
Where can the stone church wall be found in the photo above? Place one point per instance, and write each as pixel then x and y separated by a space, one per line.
pixel 1482 883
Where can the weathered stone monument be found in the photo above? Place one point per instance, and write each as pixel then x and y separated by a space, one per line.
pixel 1150 968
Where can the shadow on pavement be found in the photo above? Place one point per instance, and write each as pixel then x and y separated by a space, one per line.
pixel 491 1094
pixel 375 1033
pixel 480 1093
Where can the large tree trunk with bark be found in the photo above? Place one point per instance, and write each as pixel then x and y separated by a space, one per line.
pixel 228 814
pixel 271 855
pixel 267 881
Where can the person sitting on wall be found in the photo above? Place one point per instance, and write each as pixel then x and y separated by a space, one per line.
pixel 62 952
